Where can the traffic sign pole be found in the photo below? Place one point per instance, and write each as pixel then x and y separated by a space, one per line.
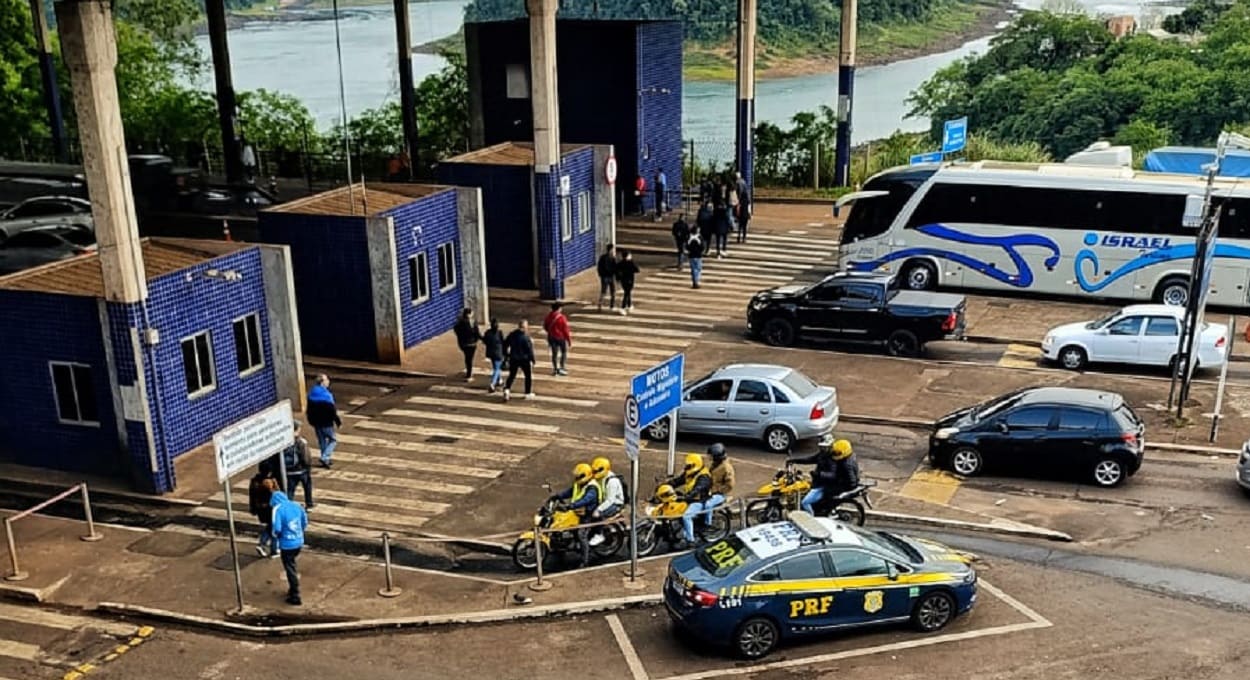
pixel 672 441
pixel 234 547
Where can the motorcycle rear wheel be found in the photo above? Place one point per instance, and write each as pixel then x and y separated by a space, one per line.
pixel 613 539
pixel 763 511
pixel 851 512
pixel 647 539
pixel 718 526
pixel 524 555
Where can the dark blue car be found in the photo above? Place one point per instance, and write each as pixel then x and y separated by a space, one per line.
pixel 775 581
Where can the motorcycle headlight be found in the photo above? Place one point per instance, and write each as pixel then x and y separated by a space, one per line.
pixel 945 433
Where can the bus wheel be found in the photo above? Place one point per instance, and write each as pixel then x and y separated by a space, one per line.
pixel 1174 291
pixel 919 275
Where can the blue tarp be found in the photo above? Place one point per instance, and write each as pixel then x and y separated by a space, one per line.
pixel 1188 160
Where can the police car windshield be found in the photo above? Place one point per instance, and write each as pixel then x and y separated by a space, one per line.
pixel 724 557
pixel 888 544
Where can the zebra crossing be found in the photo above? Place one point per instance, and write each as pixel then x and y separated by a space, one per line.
pixel 418 455
pixel 41 643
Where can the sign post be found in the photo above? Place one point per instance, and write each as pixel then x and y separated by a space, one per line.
pixel 954 135
pixel 243 445
pixel 655 393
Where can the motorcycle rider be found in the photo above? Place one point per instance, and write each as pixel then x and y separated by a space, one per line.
pixel 694 485
pixel 613 499
pixel 582 497
pixel 722 474
pixel 836 472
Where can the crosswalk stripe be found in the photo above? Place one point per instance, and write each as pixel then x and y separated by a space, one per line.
pixel 460 419
pixel 779 249
pixel 719 267
pixel 505 439
pixel 606 364
pixel 428 507
pixel 457 451
pixel 49 619
pixel 726 285
pixel 582 346
pixel 660 332
pixel 18 650
pixel 563 401
pixel 613 385
pixel 655 340
pixel 370 518
pixel 405 482
pixel 636 318
pixel 493 405
pixel 648 314
pixel 828 241
pixel 417 466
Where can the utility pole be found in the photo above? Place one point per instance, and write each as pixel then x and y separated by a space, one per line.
pixel 407 93
pixel 745 119
pixel 846 89
pixel 215 12
pixel 544 98
pixel 47 71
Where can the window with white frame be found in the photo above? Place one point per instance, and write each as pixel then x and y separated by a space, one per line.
pixel 419 276
pixel 446 267
pixel 248 350
pixel 75 395
pixel 197 364
pixel 566 219
pixel 583 212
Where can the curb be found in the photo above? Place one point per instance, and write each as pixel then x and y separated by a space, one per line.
pixel 440 620
pixel 1003 527
pixel 99 496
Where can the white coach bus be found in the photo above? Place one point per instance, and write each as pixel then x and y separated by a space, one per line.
pixel 1046 228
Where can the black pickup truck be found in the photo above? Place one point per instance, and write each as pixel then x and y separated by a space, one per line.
pixel 856 308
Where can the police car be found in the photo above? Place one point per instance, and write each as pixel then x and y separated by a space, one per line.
pixel 808 575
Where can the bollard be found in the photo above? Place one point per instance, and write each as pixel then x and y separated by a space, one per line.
pixel 91 536
pixel 18 574
pixel 539 585
pixel 390 590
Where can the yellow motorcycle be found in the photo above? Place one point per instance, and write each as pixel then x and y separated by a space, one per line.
pixel 559 531
pixel 662 521
pixel 786 490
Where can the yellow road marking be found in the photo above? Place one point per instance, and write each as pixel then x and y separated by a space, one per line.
pixel 1021 356
pixel 931 486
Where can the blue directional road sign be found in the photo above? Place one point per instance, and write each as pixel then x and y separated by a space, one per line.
pixel 931 157
pixel 657 390
pixel 955 135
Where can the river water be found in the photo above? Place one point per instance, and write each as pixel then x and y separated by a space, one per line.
pixel 299 58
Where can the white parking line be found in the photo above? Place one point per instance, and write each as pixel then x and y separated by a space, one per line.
pixel 636 668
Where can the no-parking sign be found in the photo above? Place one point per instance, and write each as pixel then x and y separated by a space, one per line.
pixel 609 170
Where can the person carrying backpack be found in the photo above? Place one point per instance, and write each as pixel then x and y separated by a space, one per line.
pixel 259 492
pixel 298 468
pixel 614 498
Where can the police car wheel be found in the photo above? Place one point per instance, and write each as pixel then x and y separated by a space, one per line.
pixel 755 638
pixel 933 612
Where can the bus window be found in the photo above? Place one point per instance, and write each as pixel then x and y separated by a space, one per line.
pixel 873 216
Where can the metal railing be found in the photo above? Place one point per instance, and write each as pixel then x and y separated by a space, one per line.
pixel 18 574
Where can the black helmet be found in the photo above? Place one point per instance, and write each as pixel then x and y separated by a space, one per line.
pixel 716 451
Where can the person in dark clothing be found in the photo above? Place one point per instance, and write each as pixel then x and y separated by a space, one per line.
pixel 519 351
pixel 323 415
pixel 681 234
pixel 467 336
pixel 299 468
pixel 493 341
pixel 626 270
pixel 607 276
pixel 836 472
pixel 259 490
pixel 744 208
pixel 694 250
pixel 661 193
pixel 720 226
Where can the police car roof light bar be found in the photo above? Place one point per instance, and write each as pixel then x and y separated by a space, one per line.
pixel 810 527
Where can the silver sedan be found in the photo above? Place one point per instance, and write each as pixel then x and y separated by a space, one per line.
pixel 45 212
pixel 775 404
pixel 1243 468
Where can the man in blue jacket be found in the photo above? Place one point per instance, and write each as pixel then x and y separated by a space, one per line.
pixel 289 522
pixel 323 415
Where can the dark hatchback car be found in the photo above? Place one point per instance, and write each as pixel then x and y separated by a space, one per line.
pixel 1046 430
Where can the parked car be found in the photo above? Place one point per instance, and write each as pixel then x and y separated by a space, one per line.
pixel 1045 429
pixel 775 404
pixel 856 308
pixel 33 247
pixel 1137 334
pixel 1243 468
pixel 45 211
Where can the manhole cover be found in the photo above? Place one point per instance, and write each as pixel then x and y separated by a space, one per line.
pixel 247 555
pixel 162 544
pixel 442 439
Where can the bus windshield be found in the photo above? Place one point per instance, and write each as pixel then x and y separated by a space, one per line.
pixel 873 216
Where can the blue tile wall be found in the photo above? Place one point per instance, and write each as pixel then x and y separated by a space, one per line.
pixel 333 291
pixel 187 302
pixel 579 252
pixel 547 217
pixel 422 226
pixel 659 61
pixel 506 218
pixel 43 327
pixel 150 470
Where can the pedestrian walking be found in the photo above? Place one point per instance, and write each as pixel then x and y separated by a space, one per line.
pixel 289 523
pixel 323 415
pixel 640 193
pixel 703 220
pixel 259 492
pixel 559 338
pixel 247 156
pixel 299 468
pixel 720 227
pixel 681 234
pixel 607 276
pixel 744 207
pixel 519 352
pixel 467 337
pixel 694 250
pixel 661 194
pixel 626 270
pixel 492 340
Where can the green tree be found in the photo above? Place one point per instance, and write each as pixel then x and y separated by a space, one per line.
pixel 20 105
pixel 274 120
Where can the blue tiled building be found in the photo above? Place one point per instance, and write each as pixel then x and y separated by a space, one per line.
pixel 124 389
pixel 620 83
pixel 519 254
pixel 380 268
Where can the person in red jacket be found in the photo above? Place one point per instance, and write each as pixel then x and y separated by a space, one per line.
pixel 559 338
pixel 640 193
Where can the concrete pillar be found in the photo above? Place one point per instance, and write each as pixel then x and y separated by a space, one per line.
pixel 89 48
pixel 285 346
pixel 604 199
pixel 473 72
pixel 846 94
pixel 473 252
pixel 744 147
pixel 544 97
pixel 384 281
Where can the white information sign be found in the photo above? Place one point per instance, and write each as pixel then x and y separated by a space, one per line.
pixel 254 439
pixel 767 540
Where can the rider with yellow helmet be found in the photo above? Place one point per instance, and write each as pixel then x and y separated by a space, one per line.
pixel 693 485
pixel 582 497
pixel 836 471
